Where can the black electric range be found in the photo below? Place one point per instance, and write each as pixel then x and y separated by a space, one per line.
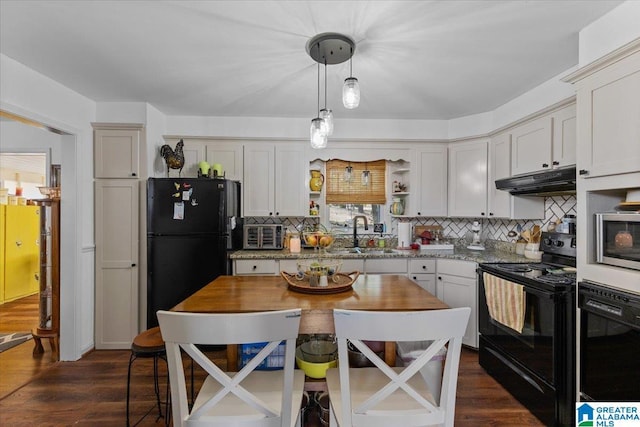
pixel 535 363
pixel 555 271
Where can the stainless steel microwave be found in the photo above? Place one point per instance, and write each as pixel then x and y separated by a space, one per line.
pixel 618 239
pixel 263 236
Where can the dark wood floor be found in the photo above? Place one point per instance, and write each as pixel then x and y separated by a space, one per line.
pixel 92 391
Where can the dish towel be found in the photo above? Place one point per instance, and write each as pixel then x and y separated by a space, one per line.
pixel 506 301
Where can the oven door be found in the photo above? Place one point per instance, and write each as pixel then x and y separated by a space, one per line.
pixel 533 347
pixel 609 347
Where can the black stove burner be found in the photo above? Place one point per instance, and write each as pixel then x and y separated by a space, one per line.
pixel 557 279
pixel 514 268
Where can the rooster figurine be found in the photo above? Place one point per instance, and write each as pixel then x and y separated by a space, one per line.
pixel 173 158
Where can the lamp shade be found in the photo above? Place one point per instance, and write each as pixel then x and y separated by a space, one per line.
pixel 318 133
pixel 327 116
pixel 351 93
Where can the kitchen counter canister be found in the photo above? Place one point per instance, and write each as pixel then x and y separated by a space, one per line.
pixel 463 254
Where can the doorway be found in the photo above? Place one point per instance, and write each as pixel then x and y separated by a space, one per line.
pixel 30 157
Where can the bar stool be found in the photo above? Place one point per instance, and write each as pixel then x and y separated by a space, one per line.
pixel 149 344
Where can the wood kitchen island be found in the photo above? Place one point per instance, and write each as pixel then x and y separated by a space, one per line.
pixel 242 294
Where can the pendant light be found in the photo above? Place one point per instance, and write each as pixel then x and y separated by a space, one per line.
pixel 351 89
pixel 365 177
pixel 318 125
pixel 329 49
pixel 326 114
pixel 347 173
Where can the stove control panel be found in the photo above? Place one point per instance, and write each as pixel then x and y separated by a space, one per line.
pixel 558 243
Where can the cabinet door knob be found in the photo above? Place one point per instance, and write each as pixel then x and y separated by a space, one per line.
pixel 133 174
pixel 481 213
pixel 419 213
pixel 424 267
pixel 255 267
pixel 556 163
pixel 133 264
pixel 439 277
pixel 545 165
pixel 583 172
pixel 277 213
pixel 270 213
pixel 18 243
pixel 415 278
pixel 37 277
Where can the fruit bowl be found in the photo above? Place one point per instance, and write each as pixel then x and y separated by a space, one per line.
pixel 318 239
pixel 318 267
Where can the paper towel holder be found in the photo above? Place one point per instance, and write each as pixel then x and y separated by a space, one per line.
pixel 404 235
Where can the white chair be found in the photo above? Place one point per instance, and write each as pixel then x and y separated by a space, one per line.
pixel 385 396
pixel 246 398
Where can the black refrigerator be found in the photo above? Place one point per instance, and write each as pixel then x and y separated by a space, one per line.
pixel 192 226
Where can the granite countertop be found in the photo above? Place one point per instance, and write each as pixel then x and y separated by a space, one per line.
pixel 490 254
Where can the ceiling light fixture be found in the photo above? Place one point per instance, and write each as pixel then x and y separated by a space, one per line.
pixel 329 49
pixel 351 89
pixel 326 114
pixel 318 125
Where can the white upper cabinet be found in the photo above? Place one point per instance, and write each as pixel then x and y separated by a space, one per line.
pixel 531 145
pixel 564 137
pixel 274 179
pixel 117 151
pixel 227 154
pixel 500 203
pixel 468 179
pixel 430 190
pixel 609 111
pixel 545 143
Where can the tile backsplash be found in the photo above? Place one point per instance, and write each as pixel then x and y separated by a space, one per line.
pixel 556 207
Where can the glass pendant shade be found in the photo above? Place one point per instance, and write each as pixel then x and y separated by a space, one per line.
pixel 318 133
pixel 351 93
pixel 364 179
pixel 327 116
pixel 347 173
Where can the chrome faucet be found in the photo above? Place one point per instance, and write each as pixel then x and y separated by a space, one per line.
pixel 355 228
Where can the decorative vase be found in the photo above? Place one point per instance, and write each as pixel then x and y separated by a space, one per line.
pixel 316 181
pixel 397 206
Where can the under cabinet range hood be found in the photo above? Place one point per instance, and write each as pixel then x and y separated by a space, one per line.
pixel 545 183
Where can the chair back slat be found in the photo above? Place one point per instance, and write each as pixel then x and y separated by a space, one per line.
pixel 185 332
pixel 377 402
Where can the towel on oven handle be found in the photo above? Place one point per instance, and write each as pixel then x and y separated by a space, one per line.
pixel 506 301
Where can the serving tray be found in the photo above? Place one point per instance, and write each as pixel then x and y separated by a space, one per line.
pixel 338 282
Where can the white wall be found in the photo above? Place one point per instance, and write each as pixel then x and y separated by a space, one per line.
pixel 20 137
pixel 611 31
pixel 28 93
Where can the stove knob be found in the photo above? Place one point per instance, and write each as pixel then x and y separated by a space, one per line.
pixel 547 241
pixel 559 243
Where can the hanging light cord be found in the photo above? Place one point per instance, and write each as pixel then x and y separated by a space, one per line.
pixel 325 83
pixel 351 63
pixel 318 84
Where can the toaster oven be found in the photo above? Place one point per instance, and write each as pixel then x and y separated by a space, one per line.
pixel 263 236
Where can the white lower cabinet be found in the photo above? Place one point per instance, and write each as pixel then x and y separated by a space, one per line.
pixel 423 272
pixel 457 287
pixel 244 267
pixel 351 265
pixel 385 266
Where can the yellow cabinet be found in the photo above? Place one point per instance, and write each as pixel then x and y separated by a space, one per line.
pixel 20 253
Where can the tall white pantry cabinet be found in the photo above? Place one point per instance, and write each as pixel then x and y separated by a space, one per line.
pixel 117 149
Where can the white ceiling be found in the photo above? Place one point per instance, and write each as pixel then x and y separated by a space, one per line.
pixel 414 59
